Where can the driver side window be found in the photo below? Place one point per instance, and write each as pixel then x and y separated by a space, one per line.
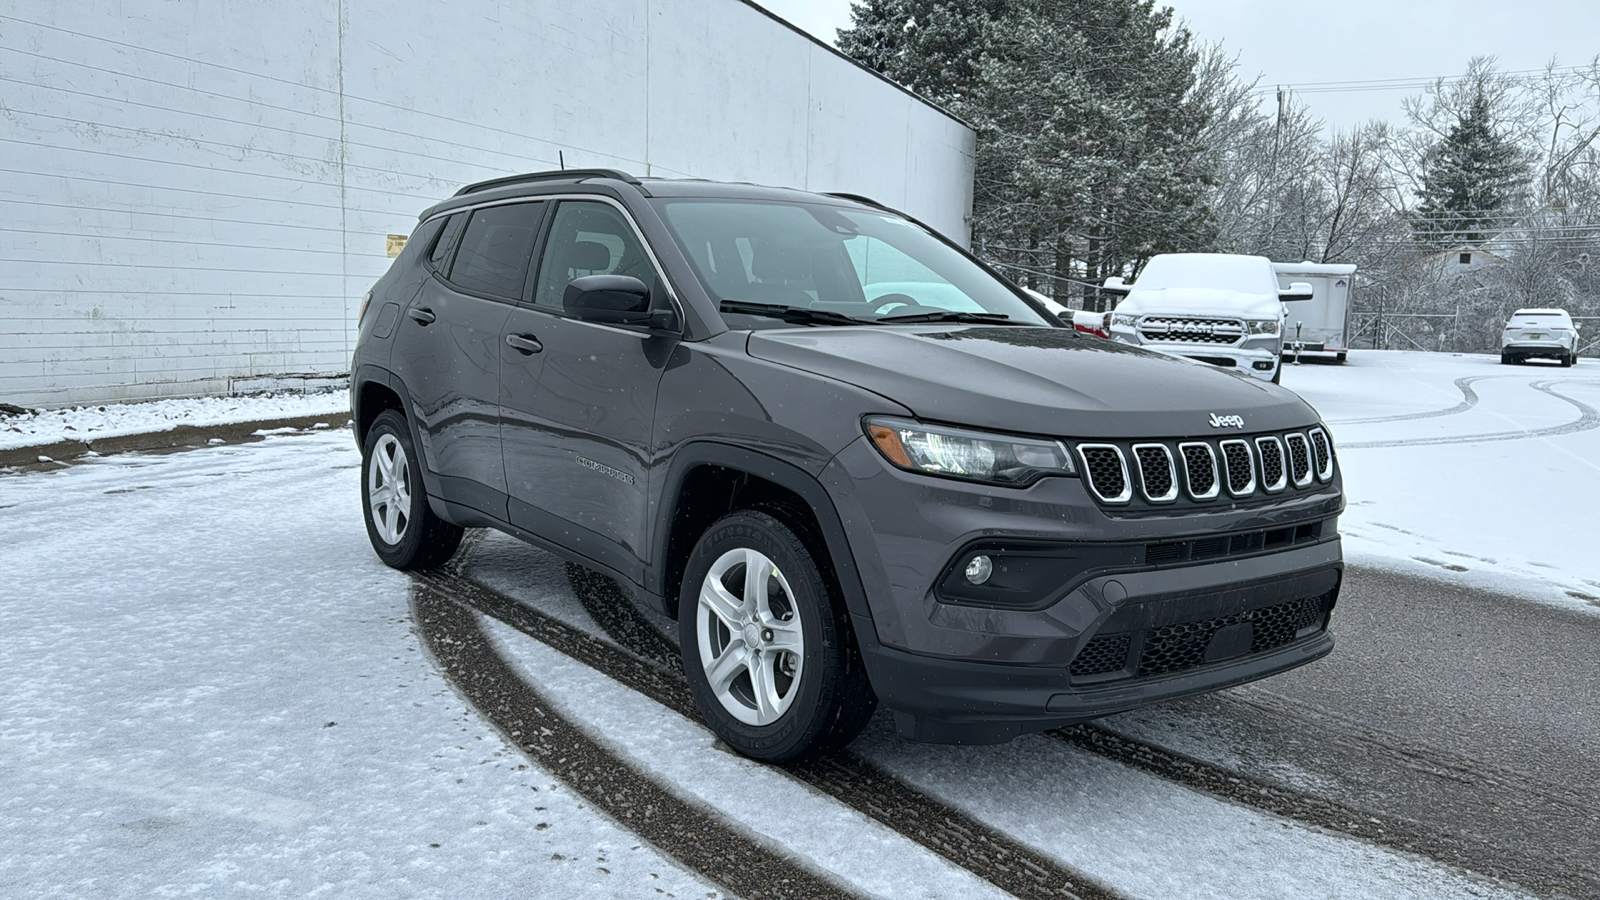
pixel 588 238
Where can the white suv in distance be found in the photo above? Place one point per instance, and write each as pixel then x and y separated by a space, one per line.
pixel 1542 333
pixel 1218 308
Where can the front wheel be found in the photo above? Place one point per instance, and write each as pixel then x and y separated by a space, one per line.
pixel 404 532
pixel 766 646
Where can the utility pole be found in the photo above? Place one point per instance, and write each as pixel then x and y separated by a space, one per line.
pixel 1272 174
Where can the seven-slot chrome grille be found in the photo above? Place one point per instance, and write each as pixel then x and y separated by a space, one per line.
pixel 1161 472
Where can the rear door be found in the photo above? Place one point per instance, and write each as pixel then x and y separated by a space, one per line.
pixel 447 348
pixel 577 433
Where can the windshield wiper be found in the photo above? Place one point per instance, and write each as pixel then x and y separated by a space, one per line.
pixel 952 316
pixel 798 315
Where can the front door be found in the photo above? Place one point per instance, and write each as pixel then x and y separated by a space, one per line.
pixel 577 435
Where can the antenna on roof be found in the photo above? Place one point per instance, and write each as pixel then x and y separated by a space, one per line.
pixel 561 157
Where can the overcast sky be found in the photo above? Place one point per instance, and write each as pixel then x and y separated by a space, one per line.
pixel 1301 44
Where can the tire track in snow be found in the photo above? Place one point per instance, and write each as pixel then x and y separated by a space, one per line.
pixel 1588 419
pixel 694 837
pixel 606 602
pixel 846 777
pixel 1308 809
pixel 1468 401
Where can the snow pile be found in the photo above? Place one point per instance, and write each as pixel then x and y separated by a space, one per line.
pixel 84 423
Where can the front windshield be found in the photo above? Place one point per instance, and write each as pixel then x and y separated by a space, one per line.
pixel 844 262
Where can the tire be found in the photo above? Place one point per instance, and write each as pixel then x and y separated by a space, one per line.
pixel 1505 358
pixel 1341 356
pixel 805 692
pixel 404 532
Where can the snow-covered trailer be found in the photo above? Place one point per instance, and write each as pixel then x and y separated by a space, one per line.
pixel 1321 325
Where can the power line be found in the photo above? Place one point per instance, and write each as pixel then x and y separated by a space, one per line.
pixel 1401 84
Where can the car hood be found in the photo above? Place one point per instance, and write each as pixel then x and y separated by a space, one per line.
pixel 1201 302
pixel 1048 381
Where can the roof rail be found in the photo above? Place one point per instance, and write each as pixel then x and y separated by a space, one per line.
pixel 558 175
pixel 858 198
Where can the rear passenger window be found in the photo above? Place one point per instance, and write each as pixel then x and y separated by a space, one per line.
pixel 495 249
pixel 446 242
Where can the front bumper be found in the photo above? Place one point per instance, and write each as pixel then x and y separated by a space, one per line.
pixel 957 671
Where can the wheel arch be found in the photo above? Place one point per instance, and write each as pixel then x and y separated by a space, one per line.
pixel 708 480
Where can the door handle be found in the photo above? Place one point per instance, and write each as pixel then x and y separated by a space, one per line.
pixel 422 315
pixel 526 344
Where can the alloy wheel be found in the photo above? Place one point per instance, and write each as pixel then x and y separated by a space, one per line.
pixel 389 489
pixel 750 638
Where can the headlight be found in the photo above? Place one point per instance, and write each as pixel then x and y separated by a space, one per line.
pixel 1263 326
pixel 1124 320
pixel 968 455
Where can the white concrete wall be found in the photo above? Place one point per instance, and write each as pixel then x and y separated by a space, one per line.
pixel 194 194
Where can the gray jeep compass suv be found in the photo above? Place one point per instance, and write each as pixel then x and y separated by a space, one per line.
pixel 853 462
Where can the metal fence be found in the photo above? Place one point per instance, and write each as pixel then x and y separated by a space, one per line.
pixel 1377 329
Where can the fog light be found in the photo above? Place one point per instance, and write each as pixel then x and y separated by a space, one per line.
pixel 1263 365
pixel 979 569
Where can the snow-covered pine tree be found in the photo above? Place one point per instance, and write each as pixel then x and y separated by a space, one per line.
pixel 1469 179
pixel 933 47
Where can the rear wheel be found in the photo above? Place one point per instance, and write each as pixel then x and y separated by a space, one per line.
pixel 1506 359
pixel 404 532
pixel 767 648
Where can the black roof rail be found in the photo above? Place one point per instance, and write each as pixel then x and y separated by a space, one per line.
pixel 858 198
pixel 558 175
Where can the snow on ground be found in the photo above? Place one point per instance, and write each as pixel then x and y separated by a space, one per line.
pixel 83 423
pixel 1132 831
pixel 211 687
pixel 1503 493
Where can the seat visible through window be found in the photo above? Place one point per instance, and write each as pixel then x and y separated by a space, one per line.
pixel 588 238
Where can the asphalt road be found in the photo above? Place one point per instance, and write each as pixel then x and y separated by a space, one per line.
pixel 1469 716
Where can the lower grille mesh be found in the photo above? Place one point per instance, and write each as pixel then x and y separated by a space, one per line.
pixel 1173 648
pixel 1183 646
pixel 1102 655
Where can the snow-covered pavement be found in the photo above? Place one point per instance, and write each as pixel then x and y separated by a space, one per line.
pixel 209 686
pixel 1463 469
pixel 212 687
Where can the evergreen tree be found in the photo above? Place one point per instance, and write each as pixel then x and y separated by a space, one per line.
pixel 1090 157
pixel 1469 179
pixel 934 47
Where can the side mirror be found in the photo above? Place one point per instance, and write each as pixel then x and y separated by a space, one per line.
pixel 1297 290
pixel 614 300
pixel 1115 285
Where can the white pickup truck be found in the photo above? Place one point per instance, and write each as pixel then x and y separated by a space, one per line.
pixel 1217 308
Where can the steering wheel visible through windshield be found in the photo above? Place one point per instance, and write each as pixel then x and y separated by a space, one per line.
pixel 770 263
